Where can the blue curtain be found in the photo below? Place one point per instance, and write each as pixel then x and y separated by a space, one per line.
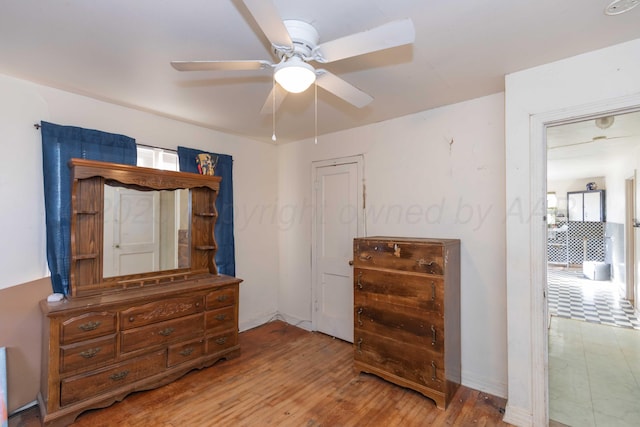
pixel 59 145
pixel 225 256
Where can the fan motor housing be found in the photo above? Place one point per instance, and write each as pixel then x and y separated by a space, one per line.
pixel 304 37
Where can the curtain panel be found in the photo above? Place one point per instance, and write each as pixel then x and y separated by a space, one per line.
pixel 59 145
pixel 225 255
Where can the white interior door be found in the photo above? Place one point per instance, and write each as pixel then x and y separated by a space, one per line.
pixel 338 218
pixel 131 232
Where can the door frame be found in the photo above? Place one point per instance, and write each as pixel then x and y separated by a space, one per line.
pixel 629 241
pixel 538 124
pixel 315 165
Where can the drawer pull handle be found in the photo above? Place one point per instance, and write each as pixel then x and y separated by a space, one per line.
pixel 88 354
pixel 166 332
pixel 360 345
pixel 433 339
pixel 424 263
pixel 433 376
pixel 221 317
pixel 90 326
pixel 360 310
pixel 359 277
pixel 132 319
pixel 187 351
pixel 221 341
pixel 222 298
pixel 119 376
pixel 365 257
pixel 197 304
pixel 433 291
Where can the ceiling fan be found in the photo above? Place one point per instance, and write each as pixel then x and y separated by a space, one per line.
pixel 295 44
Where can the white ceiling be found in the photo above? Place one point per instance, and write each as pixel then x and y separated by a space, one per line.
pixel 585 150
pixel 119 51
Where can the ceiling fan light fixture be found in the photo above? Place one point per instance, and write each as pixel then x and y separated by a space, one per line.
pixel 618 7
pixel 295 75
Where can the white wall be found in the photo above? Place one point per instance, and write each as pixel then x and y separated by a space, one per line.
pixel 437 173
pixel 587 84
pixel 22 256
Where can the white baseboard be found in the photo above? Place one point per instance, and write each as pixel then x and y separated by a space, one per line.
pixel 253 323
pixel 486 385
pixel 518 416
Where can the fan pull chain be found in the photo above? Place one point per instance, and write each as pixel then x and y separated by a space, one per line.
pixel 315 87
pixel 273 112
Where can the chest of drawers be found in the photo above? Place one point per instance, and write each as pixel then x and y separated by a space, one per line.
pixel 407 313
pixel 99 349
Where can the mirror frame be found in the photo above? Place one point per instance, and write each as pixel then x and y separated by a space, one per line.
pixel 88 178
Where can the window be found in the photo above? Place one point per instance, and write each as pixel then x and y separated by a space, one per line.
pixel 157 158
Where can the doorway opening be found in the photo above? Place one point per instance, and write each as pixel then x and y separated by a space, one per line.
pixel 593 330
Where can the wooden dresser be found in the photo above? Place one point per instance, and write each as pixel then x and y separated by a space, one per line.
pixel 407 313
pixel 115 335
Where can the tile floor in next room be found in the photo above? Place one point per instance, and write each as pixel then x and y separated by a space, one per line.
pixel 594 361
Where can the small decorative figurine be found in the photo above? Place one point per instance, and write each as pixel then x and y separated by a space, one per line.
pixel 206 164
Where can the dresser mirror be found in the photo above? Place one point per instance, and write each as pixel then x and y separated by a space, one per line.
pixel 145 231
pixel 133 226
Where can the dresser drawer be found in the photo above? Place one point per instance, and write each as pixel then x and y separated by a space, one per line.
pixel 85 386
pixel 180 353
pixel 399 256
pixel 161 333
pixel 89 354
pixel 403 324
pixel 221 342
pixel 404 289
pixel 222 298
pixel 87 326
pixel 401 359
pixel 221 320
pixel 158 311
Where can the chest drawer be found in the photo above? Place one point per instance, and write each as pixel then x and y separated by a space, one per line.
pixel 87 326
pixel 158 311
pixel 222 298
pixel 83 387
pixel 404 289
pixel 404 324
pixel 402 359
pixel 220 320
pixel 161 333
pixel 399 256
pixel 222 341
pixel 88 354
pixel 180 353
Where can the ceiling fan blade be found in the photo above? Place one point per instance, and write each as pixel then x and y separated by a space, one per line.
pixel 219 65
pixel 340 88
pixel 392 34
pixel 279 93
pixel 270 22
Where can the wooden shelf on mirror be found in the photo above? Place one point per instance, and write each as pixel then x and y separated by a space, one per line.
pixel 206 247
pixel 207 214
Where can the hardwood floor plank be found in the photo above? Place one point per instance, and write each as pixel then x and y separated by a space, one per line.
pixel 286 376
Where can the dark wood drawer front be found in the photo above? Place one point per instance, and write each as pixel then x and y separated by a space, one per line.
pixel 180 353
pixel 87 355
pixel 221 320
pixel 399 256
pixel 403 359
pixel 222 342
pixel 222 298
pixel 161 333
pixel 160 310
pixel 82 387
pixel 87 326
pixel 401 289
pixel 404 324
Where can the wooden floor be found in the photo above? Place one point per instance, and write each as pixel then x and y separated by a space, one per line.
pixel 286 376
